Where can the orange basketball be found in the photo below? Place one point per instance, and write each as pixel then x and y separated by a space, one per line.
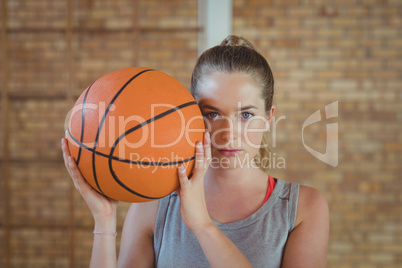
pixel 130 130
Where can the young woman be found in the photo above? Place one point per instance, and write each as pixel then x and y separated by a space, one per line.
pixel 230 213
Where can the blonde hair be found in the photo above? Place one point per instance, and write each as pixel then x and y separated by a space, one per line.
pixel 236 54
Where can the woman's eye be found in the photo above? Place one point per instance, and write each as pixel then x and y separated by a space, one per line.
pixel 212 115
pixel 247 115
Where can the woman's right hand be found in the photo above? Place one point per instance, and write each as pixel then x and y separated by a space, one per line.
pixel 103 209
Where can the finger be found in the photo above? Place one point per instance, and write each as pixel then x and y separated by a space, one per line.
pixel 207 148
pixel 72 169
pixel 80 183
pixel 65 150
pixel 66 154
pixel 77 177
pixel 182 175
pixel 199 156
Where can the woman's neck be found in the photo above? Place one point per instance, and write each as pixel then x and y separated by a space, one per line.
pixel 224 179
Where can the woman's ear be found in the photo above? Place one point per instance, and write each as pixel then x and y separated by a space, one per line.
pixel 270 116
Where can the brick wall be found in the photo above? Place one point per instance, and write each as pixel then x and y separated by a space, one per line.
pixel 345 51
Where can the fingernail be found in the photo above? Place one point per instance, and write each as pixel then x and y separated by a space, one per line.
pixel 70 160
pixel 207 135
pixel 62 143
pixel 181 169
pixel 199 144
pixel 66 134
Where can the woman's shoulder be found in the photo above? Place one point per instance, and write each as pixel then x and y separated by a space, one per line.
pixel 311 197
pixel 308 242
pixel 311 204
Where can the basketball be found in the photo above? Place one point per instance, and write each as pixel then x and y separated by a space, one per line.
pixel 130 130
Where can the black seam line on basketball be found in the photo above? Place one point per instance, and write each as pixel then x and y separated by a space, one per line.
pixel 83 123
pixel 83 146
pixel 116 178
pixel 103 121
pixel 159 116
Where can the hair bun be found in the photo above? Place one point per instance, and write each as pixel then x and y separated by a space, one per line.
pixel 236 41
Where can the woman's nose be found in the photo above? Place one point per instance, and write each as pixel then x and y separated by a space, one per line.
pixel 229 129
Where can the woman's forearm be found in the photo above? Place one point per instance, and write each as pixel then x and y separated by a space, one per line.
pixel 104 246
pixel 219 249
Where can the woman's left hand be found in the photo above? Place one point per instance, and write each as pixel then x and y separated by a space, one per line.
pixel 191 192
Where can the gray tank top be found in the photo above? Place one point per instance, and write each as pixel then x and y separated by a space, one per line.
pixel 261 237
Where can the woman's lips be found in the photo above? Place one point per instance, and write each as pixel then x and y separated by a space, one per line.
pixel 227 152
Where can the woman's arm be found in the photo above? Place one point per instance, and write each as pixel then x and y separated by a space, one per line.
pixel 217 247
pixel 103 210
pixel 104 246
pixel 308 243
pixel 136 246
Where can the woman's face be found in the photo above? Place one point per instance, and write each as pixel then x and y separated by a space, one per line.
pixel 235 115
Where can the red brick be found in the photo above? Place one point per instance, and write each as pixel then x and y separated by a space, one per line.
pixel 36 14
pixel 33 247
pixel 30 203
pixel 41 60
